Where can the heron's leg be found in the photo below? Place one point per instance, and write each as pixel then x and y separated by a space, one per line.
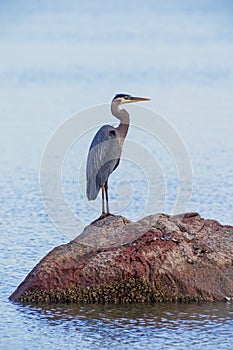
pixel 103 210
pixel 106 195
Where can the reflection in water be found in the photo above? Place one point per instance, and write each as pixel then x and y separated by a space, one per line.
pixel 183 325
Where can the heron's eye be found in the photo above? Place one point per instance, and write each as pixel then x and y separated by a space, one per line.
pixel 112 133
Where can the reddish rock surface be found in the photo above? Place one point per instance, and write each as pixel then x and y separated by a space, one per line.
pixel 158 258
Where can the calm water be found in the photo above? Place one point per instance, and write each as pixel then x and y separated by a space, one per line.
pixel 56 61
pixel 120 327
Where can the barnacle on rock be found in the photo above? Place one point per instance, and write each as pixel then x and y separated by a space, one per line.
pixel 129 291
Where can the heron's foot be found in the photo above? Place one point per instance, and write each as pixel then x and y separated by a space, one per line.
pixel 102 216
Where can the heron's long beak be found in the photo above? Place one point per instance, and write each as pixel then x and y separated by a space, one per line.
pixel 137 99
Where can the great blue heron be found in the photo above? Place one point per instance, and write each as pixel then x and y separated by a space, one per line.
pixel 105 150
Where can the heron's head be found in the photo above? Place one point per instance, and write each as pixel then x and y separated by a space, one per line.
pixel 125 98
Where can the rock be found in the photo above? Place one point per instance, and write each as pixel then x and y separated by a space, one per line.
pixel 158 258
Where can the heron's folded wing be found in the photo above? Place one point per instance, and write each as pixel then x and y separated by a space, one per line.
pixel 102 158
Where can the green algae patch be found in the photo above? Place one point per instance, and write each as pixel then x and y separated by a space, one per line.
pixel 130 291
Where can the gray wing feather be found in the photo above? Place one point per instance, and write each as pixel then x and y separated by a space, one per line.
pixel 103 158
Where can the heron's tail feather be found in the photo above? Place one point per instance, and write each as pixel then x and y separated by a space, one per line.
pixel 92 191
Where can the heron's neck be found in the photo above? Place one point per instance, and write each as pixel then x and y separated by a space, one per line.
pixel 123 116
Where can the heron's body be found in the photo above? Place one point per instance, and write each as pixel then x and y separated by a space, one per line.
pixel 109 152
pixel 105 150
